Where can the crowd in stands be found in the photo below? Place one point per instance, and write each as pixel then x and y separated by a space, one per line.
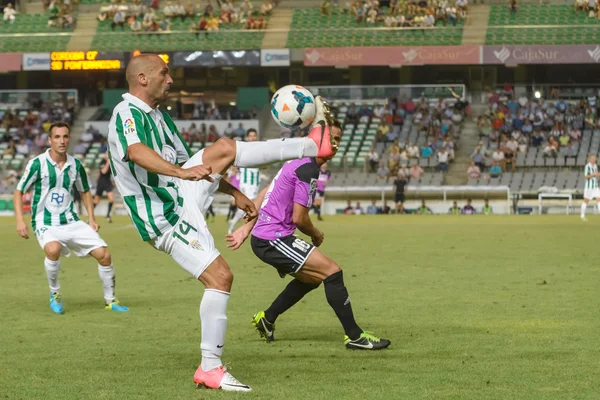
pixel 60 13
pixel 438 122
pixel 589 7
pixel 9 14
pixel 412 13
pixel 513 125
pixel 147 16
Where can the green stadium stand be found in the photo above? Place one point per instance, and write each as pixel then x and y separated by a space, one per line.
pixel 229 37
pixel 533 18
pixel 339 30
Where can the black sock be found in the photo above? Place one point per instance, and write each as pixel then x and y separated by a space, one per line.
pixel 318 211
pixel 110 204
pixel 338 299
pixel 293 293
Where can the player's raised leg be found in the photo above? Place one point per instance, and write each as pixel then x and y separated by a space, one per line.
pixel 319 143
pixel 52 267
pixel 106 271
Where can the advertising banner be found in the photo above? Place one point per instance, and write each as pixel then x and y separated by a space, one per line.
pixel 539 54
pixel 36 61
pixel 216 58
pixel 397 56
pixel 10 62
pixel 275 58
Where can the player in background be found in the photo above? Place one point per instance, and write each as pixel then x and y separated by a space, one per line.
pixel 54 220
pixel 324 178
pixel 487 209
pixel 284 206
pixel 166 190
pixel 591 190
pixel 105 186
pixel 234 179
pixel 249 182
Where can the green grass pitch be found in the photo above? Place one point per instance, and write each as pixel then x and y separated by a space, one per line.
pixel 476 308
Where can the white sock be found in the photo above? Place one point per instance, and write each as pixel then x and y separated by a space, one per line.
pixel 598 205
pixel 52 269
pixel 239 214
pixel 107 276
pixel 255 154
pixel 214 325
pixel 583 207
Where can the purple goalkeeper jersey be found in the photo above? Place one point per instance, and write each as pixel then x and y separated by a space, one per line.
pixel 295 182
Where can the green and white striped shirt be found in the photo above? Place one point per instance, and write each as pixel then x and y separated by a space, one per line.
pixel 249 177
pixel 52 203
pixel 152 200
pixel 591 183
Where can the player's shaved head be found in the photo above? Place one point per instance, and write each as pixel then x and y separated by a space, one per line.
pixel 148 78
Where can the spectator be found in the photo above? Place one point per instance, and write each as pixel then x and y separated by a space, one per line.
pixel 537 139
pixel 22 148
pixel 416 172
pixel 240 131
pixel 349 210
pixel 80 148
pixel 513 6
pixel 228 132
pixel 394 161
pixel 358 209
pixel 498 157
pixel 372 209
pixel 9 13
pixel 373 159
pixel 170 10
pixel 213 135
pixel 455 209
pixel 134 24
pixel 551 148
pixel 386 209
pixel 383 172
pixel 266 8
pixel 486 209
pixel 478 158
pixel 11 149
pixel 468 209
pixel 427 150
pixel 400 189
pixel 212 25
pixel 575 134
pixel 325 8
pixel 404 170
pixel 473 172
pixel 202 26
pixel 495 169
pixel 118 19
pixel 485 125
pixel 412 151
pixel 564 138
pixel 442 158
pixel 423 209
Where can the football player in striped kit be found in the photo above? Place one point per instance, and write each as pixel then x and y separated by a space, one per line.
pixel 249 181
pixel 591 190
pixel 54 220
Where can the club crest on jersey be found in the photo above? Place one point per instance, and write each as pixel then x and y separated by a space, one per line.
pixel 194 244
pixel 129 126
pixel 58 200
pixel 169 154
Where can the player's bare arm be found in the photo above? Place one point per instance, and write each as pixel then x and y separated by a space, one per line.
pixel 151 161
pixel 21 225
pixel 302 220
pixel 241 201
pixel 239 236
pixel 88 203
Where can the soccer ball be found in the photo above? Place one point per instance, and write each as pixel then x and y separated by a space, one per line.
pixel 293 107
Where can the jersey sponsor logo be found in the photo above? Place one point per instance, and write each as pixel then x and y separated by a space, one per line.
pixel 169 154
pixel 58 200
pixel 313 186
pixel 129 126
pixel 194 244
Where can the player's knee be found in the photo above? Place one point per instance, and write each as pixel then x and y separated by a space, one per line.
pixel 52 250
pixel 225 145
pixel 332 268
pixel 103 256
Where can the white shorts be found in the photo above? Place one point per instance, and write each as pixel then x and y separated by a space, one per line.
pixel 250 191
pixel 590 194
pixel 189 242
pixel 77 237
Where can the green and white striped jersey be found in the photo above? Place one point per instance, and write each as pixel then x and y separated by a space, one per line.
pixel 52 203
pixel 152 200
pixel 249 177
pixel 591 183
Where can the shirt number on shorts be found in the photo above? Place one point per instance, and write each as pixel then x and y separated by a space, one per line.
pixel 301 245
pixel 184 228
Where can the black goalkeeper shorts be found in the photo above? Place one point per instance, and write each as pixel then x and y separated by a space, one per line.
pixel 287 254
